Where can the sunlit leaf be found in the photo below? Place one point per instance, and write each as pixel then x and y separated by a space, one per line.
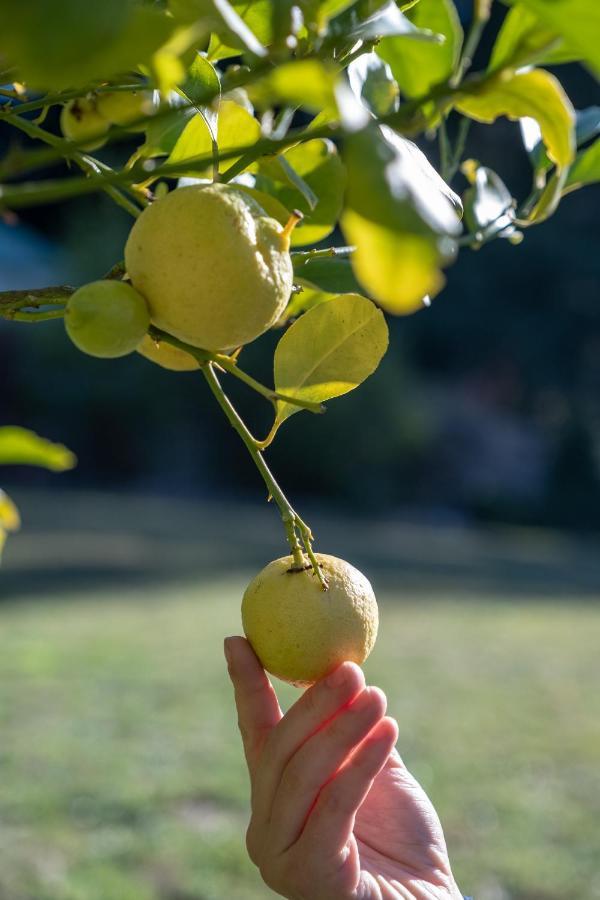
pixel 396 267
pixel 309 296
pixel 10 519
pixel 372 82
pixel 318 163
pixel 587 126
pixel 330 273
pixel 307 83
pixel 418 65
pixel 385 20
pixel 279 169
pixel 578 21
pixel 237 26
pixel 18 446
pixel 535 93
pixel 235 128
pixel 523 39
pixel 586 168
pixel 329 351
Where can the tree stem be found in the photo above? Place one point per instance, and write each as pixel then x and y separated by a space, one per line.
pixel 291 521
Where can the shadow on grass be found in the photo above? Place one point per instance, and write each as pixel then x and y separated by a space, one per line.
pixel 75 544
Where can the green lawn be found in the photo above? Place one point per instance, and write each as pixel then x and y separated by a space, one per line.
pixel 121 776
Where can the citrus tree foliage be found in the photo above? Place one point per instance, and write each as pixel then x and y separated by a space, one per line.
pixel 317 109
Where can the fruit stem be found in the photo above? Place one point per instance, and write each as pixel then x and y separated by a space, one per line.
pixel 291 520
pixel 291 223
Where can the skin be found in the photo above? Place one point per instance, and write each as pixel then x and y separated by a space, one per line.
pixel 335 813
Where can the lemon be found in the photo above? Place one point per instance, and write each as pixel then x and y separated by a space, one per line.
pixel 124 107
pixel 106 318
pixel 81 120
pixel 214 268
pixel 301 632
pixel 167 356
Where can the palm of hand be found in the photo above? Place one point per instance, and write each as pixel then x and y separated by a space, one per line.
pixel 397 844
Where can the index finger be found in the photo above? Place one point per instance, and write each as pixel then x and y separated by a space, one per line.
pixel 257 705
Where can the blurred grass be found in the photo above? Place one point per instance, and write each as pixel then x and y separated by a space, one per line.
pixel 121 775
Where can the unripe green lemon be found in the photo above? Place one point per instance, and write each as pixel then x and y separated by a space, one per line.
pixel 80 120
pixel 215 269
pixel 107 318
pixel 124 107
pixel 167 356
pixel 299 631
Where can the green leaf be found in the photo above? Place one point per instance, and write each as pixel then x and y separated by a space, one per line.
pixel 536 94
pixel 329 274
pixel 69 44
pixel 586 168
pixel 401 216
pixel 163 132
pixel 587 125
pixel 318 163
pixel 203 88
pixel 372 82
pixel 578 21
pixel 523 39
pixel 279 169
pixel 418 66
pixel 10 519
pixel 329 351
pixel 397 267
pixel 307 298
pixel 367 21
pixel 238 26
pixel 306 83
pixel 18 446
pixel 235 127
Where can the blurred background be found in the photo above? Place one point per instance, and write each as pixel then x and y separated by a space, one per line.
pixel 463 478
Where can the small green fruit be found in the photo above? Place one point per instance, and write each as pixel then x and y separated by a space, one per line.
pixel 107 319
pixel 167 356
pixel 80 120
pixel 215 269
pixel 124 107
pixel 301 632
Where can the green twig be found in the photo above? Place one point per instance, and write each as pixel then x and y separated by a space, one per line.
pixel 44 316
pixel 300 257
pixel 481 15
pixel 291 520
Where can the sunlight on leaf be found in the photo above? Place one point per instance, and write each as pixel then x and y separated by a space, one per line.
pixel 18 446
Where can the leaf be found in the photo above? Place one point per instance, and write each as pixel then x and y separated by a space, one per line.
pixel 69 44
pixel 318 163
pixel 329 351
pixel 523 39
pixel 489 205
pixel 372 82
pixel 18 446
pixel 385 21
pixel 10 519
pixel 587 125
pixel 235 127
pixel 236 24
pixel 163 132
pixel 418 66
pixel 203 88
pixel 329 274
pixel 397 267
pixel 307 83
pixel 586 168
pixel 537 94
pixel 401 216
pixel 279 169
pixel 578 21
pixel 307 298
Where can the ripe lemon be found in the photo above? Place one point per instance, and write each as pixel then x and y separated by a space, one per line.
pixel 106 318
pixel 167 356
pixel 214 268
pixel 301 632
pixel 80 120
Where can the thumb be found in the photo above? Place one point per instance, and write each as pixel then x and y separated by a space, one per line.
pixel 257 705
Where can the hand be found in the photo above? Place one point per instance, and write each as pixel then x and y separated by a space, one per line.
pixel 335 814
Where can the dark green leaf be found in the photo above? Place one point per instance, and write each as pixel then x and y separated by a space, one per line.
pixel 329 274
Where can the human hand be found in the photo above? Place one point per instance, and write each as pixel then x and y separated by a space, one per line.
pixel 335 813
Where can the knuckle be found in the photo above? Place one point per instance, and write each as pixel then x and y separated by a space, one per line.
pixel 253 843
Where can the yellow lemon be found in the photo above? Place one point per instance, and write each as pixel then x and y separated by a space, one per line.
pixel 299 631
pixel 126 107
pixel 106 318
pixel 167 356
pixel 80 120
pixel 214 268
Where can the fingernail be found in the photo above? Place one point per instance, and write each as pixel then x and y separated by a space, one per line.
pixel 337 677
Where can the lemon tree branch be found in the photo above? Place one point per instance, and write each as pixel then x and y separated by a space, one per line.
pixel 292 522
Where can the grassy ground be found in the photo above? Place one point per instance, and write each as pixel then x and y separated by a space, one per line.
pixel 121 775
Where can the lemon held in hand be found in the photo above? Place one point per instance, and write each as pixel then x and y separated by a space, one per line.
pixel 214 268
pixel 301 632
pixel 106 318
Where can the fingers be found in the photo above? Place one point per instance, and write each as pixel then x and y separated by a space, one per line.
pixel 318 705
pixel 331 821
pixel 257 706
pixel 317 762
